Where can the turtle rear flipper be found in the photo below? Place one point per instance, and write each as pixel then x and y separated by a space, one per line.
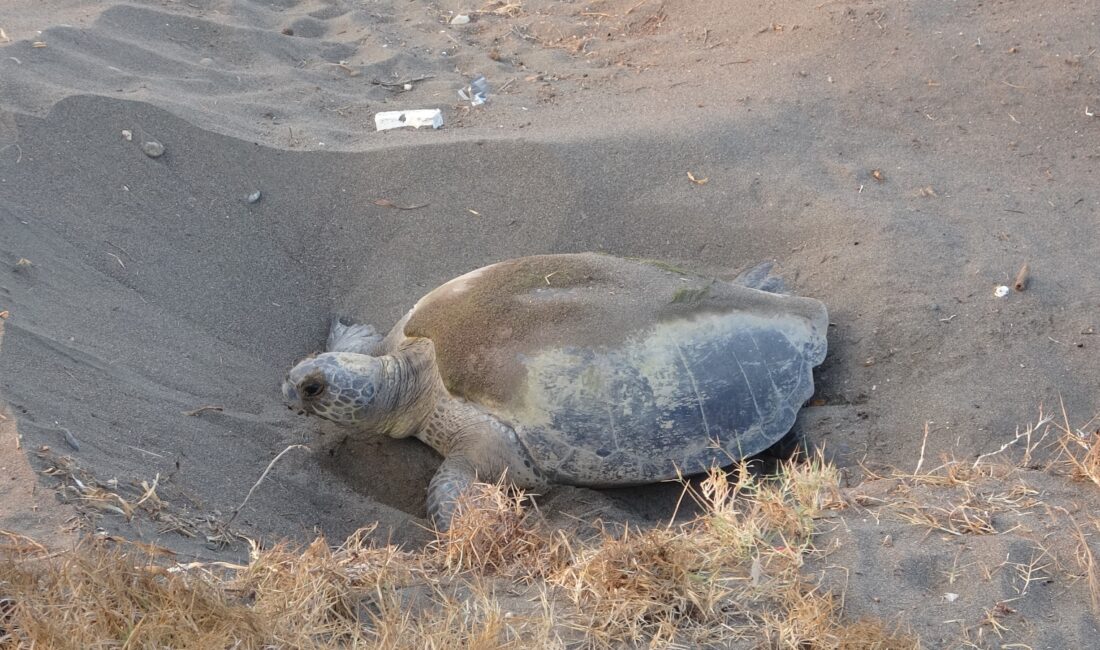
pixel 357 338
pixel 760 277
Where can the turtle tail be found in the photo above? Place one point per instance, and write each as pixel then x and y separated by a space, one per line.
pixel 760 277
pixel 357 338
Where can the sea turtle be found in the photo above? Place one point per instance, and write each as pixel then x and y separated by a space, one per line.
pixel 582 369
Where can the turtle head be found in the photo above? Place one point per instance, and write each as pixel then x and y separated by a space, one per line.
pixel 337 386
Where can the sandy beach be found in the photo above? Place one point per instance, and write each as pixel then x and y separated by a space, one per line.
pixel 897 161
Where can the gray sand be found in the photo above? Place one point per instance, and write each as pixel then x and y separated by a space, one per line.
pixel 156 288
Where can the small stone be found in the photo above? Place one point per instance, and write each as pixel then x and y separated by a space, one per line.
pixel 127 135
pixel 460 19
pixel 253 197
pixel 408 86
pixel 153 149
pixel 1001 291
pixel 207 61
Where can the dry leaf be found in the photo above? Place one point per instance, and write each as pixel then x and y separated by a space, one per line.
pixel 878 175
pixel 38 44
pixel 697 181
pixel 4 314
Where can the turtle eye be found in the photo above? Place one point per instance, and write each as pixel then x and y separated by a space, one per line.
pixel 312 388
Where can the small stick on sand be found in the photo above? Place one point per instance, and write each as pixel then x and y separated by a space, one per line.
pixel 1022 277
pixel 144 451
pixel 203 408
pixel 400 84
pixel 386 203
pixel 922 444
pixel 238 509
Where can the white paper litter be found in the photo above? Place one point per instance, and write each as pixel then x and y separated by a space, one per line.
pixel 386 120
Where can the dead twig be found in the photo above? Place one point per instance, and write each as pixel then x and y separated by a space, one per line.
pixel 920 462
pixel 386 203
pixel 1026 435
pixel 267 470
pixel 400 84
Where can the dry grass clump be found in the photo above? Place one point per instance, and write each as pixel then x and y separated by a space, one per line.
pixel 1071 451
pixel 310 598
pixel 972 515
pixel 874 635
pixel 491 532
pixel 1007 491
pixel 733 572
pixel 99 596
pixel 470 617
pixel 646 585
pixel 497 579
pixel 1078 450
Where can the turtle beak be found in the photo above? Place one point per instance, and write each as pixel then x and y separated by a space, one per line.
pixel 290 394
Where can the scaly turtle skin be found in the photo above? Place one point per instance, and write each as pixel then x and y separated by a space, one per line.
pixel 582 369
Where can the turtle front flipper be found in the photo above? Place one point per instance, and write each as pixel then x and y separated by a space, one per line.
pixel 357 338
pixel 477 447
pixel 453 478
pixel 760 277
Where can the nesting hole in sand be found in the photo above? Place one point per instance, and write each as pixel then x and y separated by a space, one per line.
pixel 167 290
